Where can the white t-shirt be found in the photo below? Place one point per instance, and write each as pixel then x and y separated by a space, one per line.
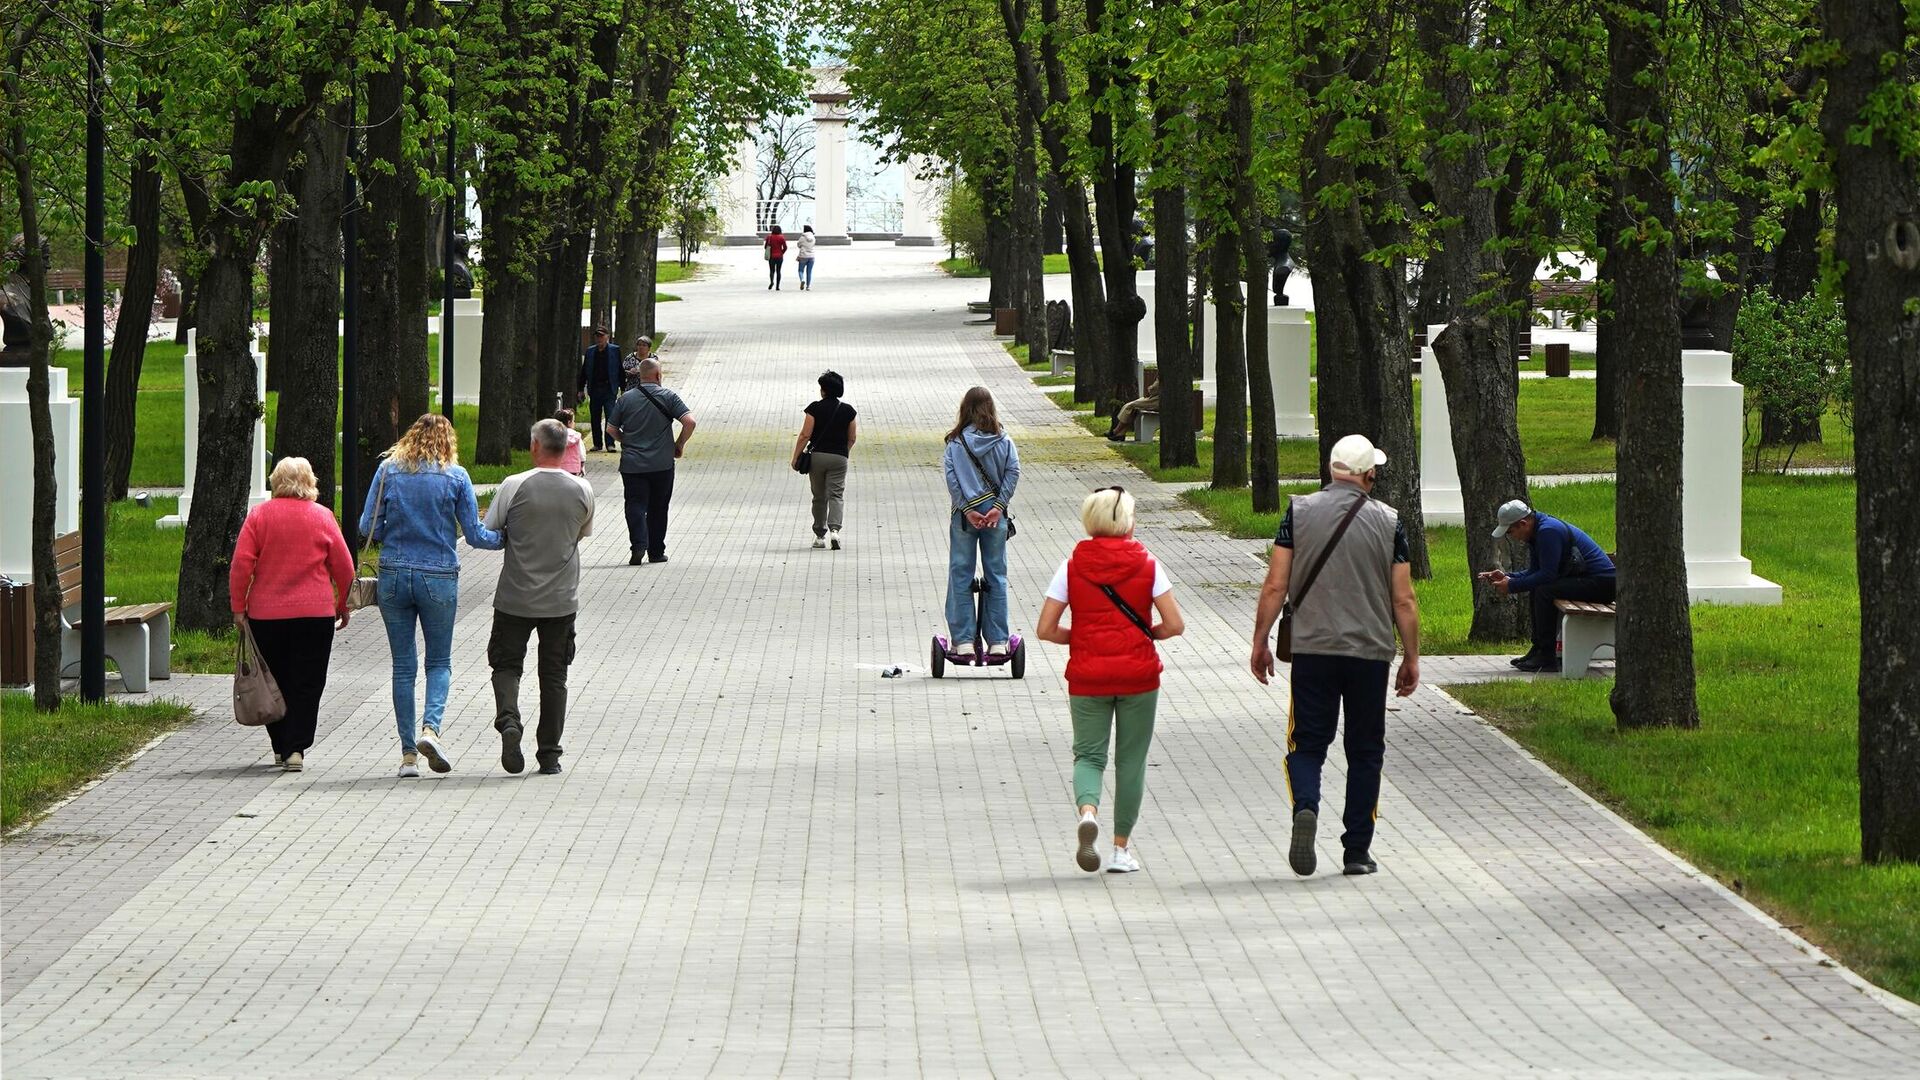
pixel 1057 590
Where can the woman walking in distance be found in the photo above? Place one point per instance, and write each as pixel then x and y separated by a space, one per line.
pixel 983 469
pixel 775 245
pixel 803 246
pixel 420 501
pixel 830 430
pixel 1113 667
pixel 289 580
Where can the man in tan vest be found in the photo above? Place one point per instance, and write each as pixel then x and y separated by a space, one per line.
pixel 1339 567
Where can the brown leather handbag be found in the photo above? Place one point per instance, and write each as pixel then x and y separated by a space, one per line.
pixel 256 696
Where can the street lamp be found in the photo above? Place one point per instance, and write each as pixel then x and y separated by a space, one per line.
pixel 93 483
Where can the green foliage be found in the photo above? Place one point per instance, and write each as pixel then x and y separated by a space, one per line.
pixel 1792 358
pixel 963 222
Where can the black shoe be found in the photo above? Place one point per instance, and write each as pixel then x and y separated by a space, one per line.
pixel 1300 856
pixel 1358 863
pixel 656 558
pixel 550 768
pixel 1524 659
pixel 1529 663
pixel 510 757
pixel 635 560
pixel 1116 436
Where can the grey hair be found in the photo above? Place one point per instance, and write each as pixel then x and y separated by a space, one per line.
pixel 551 436
pixel 649 367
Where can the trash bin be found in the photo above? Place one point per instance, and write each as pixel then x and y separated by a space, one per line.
pixel 16 632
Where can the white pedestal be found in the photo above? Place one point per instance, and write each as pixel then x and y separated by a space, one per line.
pixel 742 195
pixel 919 222
pixel 1287 360
pixel 16 466
pixel 1210 333
pixel 468 321
pixel 257 476
pixel 1149 351
pixel 1711 479
pixel 1440 501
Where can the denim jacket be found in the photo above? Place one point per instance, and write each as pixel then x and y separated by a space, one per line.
pixel 417 514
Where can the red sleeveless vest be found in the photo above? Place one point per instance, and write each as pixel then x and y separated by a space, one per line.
pixel 1110 655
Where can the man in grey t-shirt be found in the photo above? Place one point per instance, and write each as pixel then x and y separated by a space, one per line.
pixel 544 512
pixel 642 420
pixel 1342 635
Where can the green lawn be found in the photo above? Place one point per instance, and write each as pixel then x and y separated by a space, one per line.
pixel 49 755
pixel 964 267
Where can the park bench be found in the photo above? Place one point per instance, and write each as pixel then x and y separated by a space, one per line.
pixel 1560 296
pixel 1062 361
pixel 139 636
pixel 980 307
pixel 1146 422
pixel 1584 627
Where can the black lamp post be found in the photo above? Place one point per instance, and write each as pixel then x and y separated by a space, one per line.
pixel 350 334
pixel 93 482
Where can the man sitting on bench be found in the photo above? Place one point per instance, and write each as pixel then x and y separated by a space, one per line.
pixel 1123 419
pixel 1567 565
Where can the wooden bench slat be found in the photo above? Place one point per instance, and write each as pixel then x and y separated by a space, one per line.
pixel 128 614
pixel 67 543
pixel 1582 607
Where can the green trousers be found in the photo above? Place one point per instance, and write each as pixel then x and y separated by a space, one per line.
pixel 1128 720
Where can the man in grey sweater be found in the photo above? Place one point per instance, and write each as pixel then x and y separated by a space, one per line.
pixel 544 513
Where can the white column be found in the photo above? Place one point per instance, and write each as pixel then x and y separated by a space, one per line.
pixel 741 194
pixel 16 466
pixel 190 371
pixel 1714 429
pixel 830 176
pixel 919 210
pixel 468 321
pixel 1149 351
pixel 1287 352
pixel 257 472
pixel 1440 501
pixel 1210 333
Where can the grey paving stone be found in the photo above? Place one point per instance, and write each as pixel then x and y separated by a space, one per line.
pixel 764 859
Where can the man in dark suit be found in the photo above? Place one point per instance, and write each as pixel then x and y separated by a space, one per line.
pixel 600 381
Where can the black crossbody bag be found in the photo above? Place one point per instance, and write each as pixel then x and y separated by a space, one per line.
pixel 1132 615
pixel 1012 530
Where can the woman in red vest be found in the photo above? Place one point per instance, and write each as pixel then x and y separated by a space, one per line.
pixel 1113 668
pixel 775 246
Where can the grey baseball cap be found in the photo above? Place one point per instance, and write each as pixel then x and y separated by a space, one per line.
pixel 1511 513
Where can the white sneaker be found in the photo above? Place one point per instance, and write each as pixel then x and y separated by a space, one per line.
pixel 409 769
pixel 436 755
pixel 296 761
pixel 1088 856
pixel 1123 861
pixel 833 537
pixel 997 650
pixel 819 542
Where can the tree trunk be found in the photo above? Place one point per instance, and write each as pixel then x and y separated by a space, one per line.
pixel 1051 228
pixel 1365 375
pixel 283 284
pixel 1029 265
pixel 630 286
pixel 33 267
pixel 1229 365
pixel 500 236
pixel 999 248
pixel 1046 105
pixel 419 248
pixel 383 337
pixel 1877 239
pixel 1264 473
pixel 136 307
pixel 1654 686
pixel 1111 90
pixel 1171 257
pixel 306 335
pixel 602 277
pixel 1474 351
pixel 193 194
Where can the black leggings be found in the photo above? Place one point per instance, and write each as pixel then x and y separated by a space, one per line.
pixel 296 651
pixel 774 267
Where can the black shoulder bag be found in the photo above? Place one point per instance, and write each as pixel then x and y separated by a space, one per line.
pixel 656 404
pixel 1012 530
pixel 1283 637
pixel 804 463
pixel 1132 615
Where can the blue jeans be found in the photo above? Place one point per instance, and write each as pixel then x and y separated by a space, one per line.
pixel 805 267
pixel 430 597
pixel 991 544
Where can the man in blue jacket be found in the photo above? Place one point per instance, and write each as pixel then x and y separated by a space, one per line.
pixel 1567 565
pixel 600 381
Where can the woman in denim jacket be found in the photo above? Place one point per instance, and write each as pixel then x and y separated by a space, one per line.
pixel 421 498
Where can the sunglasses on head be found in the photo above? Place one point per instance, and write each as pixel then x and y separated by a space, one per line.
pixel 1118 491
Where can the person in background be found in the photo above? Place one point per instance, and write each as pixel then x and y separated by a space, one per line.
pixel 642 420
pixel 1113 666
pixel 803 255
pixel 575 460
pixel 830 426
pixel 630 369
pixel 775 246
pixel 982 469
pixel 1342 636
pixel 544 513
pixel 418 504
pixel 600 379
pixel 289 579
pixel 1567 565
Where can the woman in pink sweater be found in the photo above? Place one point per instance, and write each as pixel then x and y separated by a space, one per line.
pixel 291 572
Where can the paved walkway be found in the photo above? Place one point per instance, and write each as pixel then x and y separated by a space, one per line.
pixel 765 859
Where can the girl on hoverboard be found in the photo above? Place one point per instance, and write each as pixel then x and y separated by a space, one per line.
pixel 983 469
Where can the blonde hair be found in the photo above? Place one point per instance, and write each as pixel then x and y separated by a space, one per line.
pixel 293 478
pixel 431 440
pixel 1107 512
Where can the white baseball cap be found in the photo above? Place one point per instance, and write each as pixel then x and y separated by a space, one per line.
pixel 1512 513
pixel 1355 455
